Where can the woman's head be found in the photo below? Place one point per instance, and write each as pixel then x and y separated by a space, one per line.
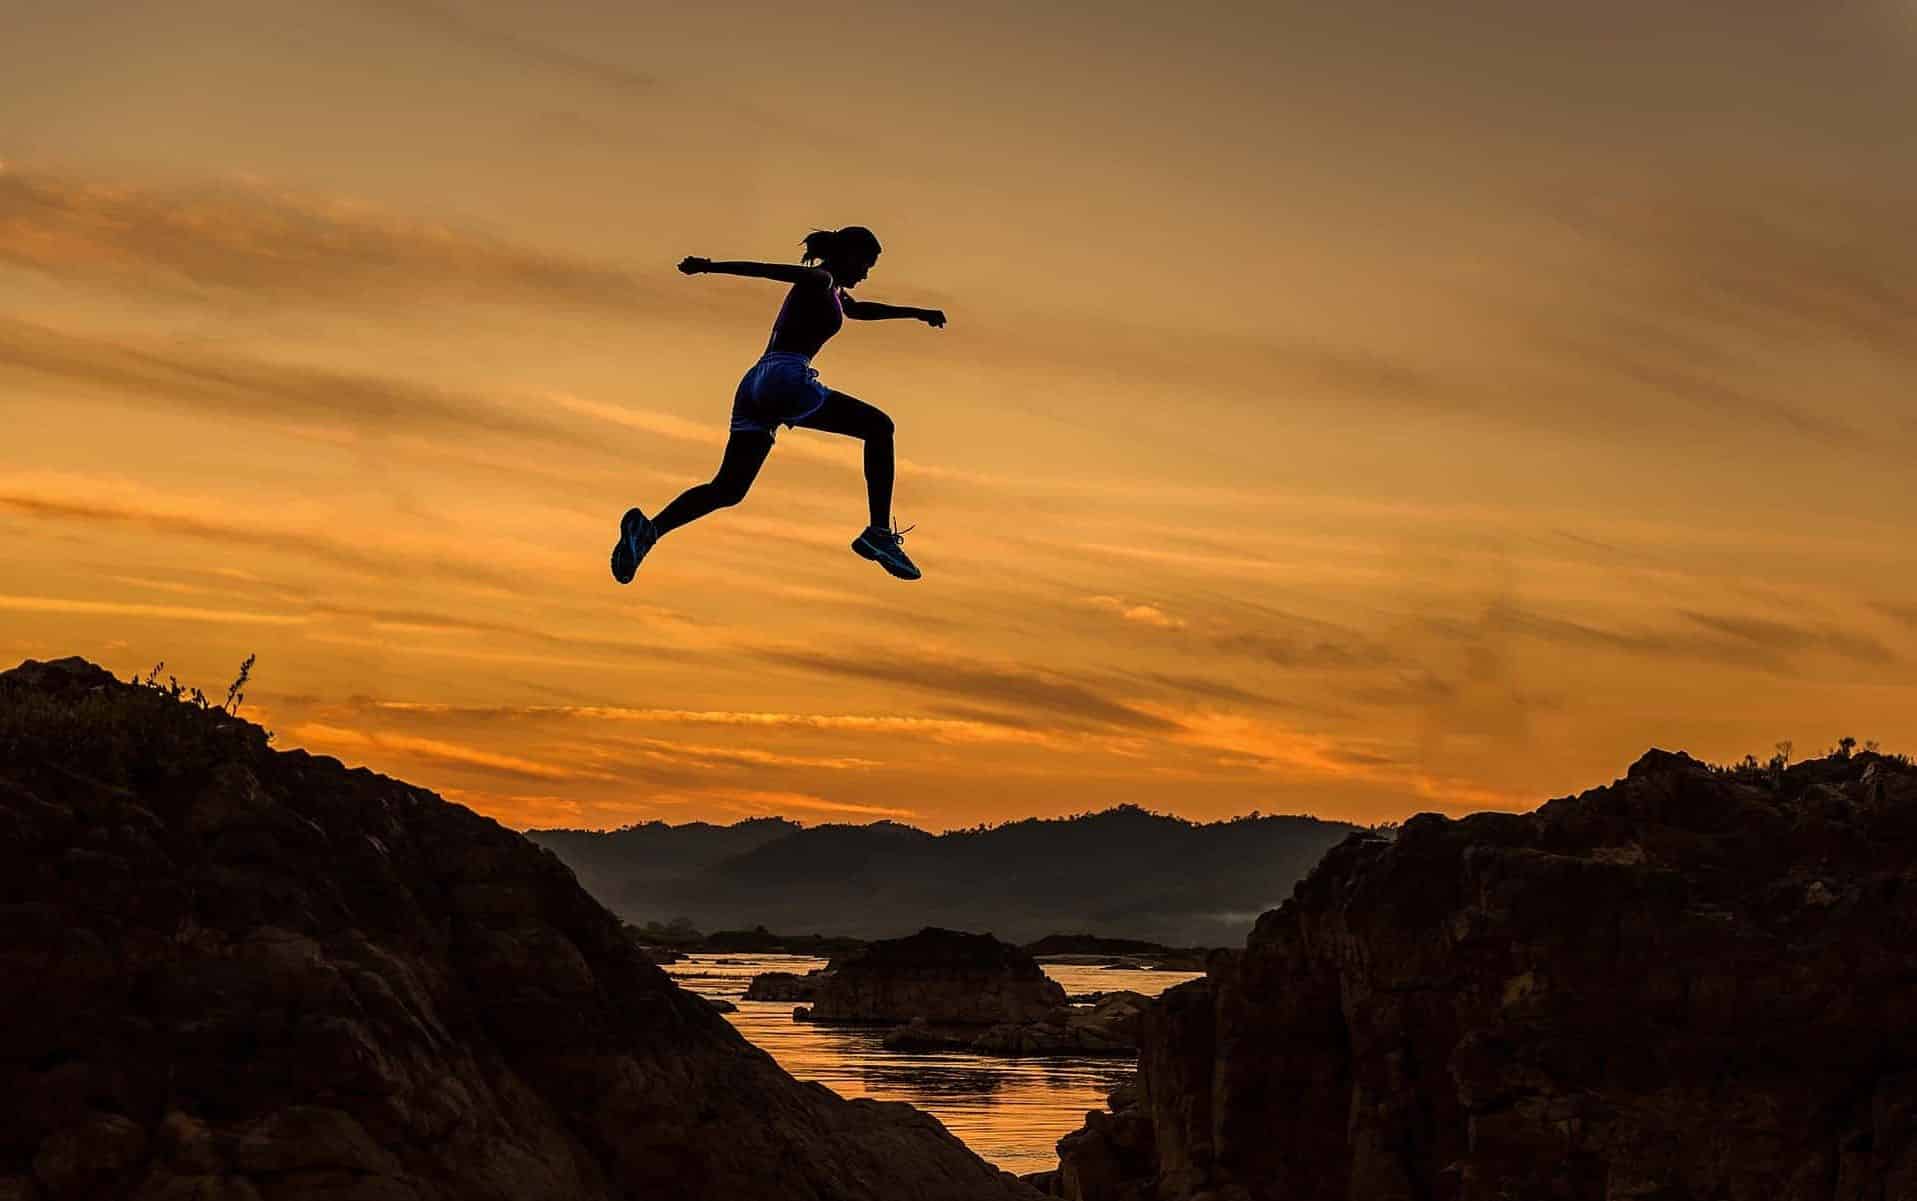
pixel 847 253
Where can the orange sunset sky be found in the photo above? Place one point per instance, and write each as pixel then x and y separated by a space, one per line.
pixel 1354 408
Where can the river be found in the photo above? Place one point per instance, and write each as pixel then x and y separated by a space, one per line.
pixel 1011 1111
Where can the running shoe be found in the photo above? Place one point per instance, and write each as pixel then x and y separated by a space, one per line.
pixel 636 537
pixel 885 547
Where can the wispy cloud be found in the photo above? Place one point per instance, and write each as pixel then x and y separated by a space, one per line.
pixel 1345 650
pixel 1905 614
pixel 772 802
pixel 74 501
pixel 243 239
pixel 1136 612
pixel 54 604
pixel 422 619
pixel 943 729
pixel 318 735
pixel 1784 637
pixel 1066 701
pixel 1761 643
pixel 1210 689
pixel 206 380
pixel 1733 307
pixel 453 23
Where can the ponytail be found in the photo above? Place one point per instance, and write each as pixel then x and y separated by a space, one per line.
pixel 822 245
pixel 818 245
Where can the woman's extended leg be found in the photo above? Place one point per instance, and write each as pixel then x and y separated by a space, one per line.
pixel 842 414
pixel 745 454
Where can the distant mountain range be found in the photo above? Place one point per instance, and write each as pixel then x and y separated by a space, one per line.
pixel 1125 872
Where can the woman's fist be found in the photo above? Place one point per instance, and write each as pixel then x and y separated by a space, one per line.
pixel 934 318
pixel 693 264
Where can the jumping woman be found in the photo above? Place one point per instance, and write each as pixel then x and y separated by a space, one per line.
pixel 783 388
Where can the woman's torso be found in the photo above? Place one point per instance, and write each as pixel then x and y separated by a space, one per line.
pixel 809 316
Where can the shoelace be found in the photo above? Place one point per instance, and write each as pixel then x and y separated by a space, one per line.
pixel 898 535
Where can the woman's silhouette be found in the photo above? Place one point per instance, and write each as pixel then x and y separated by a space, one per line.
pixel 783 388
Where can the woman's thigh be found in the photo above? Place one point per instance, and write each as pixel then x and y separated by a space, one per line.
pixel 745 454
pixel 842 414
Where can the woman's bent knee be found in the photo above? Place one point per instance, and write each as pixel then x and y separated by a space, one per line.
pixel 881 425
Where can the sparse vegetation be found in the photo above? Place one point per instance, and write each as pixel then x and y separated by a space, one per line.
pixel 1772 771
pixel 153 733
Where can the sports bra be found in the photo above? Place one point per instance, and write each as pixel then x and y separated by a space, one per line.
pixel 806 320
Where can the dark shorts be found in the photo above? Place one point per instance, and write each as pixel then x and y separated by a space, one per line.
pixel 780 389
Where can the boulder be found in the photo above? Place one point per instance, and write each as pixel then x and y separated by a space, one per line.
pixel 1109 1028
pixel 920 1035
pixel 785 986
pixel 1694 982
pixel 942 976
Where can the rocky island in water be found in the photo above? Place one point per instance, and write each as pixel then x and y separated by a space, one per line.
pixel 949 990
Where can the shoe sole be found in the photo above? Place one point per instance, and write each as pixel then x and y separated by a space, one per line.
pixel 867 551
pixel 625 561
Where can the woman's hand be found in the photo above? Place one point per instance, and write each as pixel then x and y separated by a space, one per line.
pixel 693 265
pixel 933 317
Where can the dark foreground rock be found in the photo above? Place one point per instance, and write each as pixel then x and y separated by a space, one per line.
pixel 943 977
pixel 1690 984
pixel 232 973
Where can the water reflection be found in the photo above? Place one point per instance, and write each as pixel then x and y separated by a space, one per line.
pixel 948 1080
pixel 1012 1111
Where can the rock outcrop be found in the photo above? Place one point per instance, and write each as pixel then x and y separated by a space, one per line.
pixel 1109 1027
pixel 942 977
pixel 1693 983
pixel 785 986
pixel 228 972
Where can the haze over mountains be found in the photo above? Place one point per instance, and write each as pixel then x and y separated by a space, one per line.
pixel 1123 872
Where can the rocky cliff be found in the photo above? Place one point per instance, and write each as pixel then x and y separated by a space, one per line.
pixel 1692 983
pixel 232 973
pixel 938 976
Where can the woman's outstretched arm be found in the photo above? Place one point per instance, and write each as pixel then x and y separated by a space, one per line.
pixel 790 273
pixel 872 310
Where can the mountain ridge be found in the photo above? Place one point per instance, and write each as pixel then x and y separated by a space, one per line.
pixel 1124 871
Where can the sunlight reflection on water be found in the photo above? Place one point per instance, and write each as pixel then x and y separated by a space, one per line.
pixel 1011 1111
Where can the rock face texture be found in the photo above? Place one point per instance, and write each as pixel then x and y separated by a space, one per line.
pixel 232 973
pixel 1107 1028
pixel 1691 984
pixel 940 976
pixel 784 986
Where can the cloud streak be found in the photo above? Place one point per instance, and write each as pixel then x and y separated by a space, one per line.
pixel 244 240
pixel 1136 612
pixel 1068 702
pixel 207 381
pixel 960 730
pixel 452 23
pixel 319 734
pixel 92 608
